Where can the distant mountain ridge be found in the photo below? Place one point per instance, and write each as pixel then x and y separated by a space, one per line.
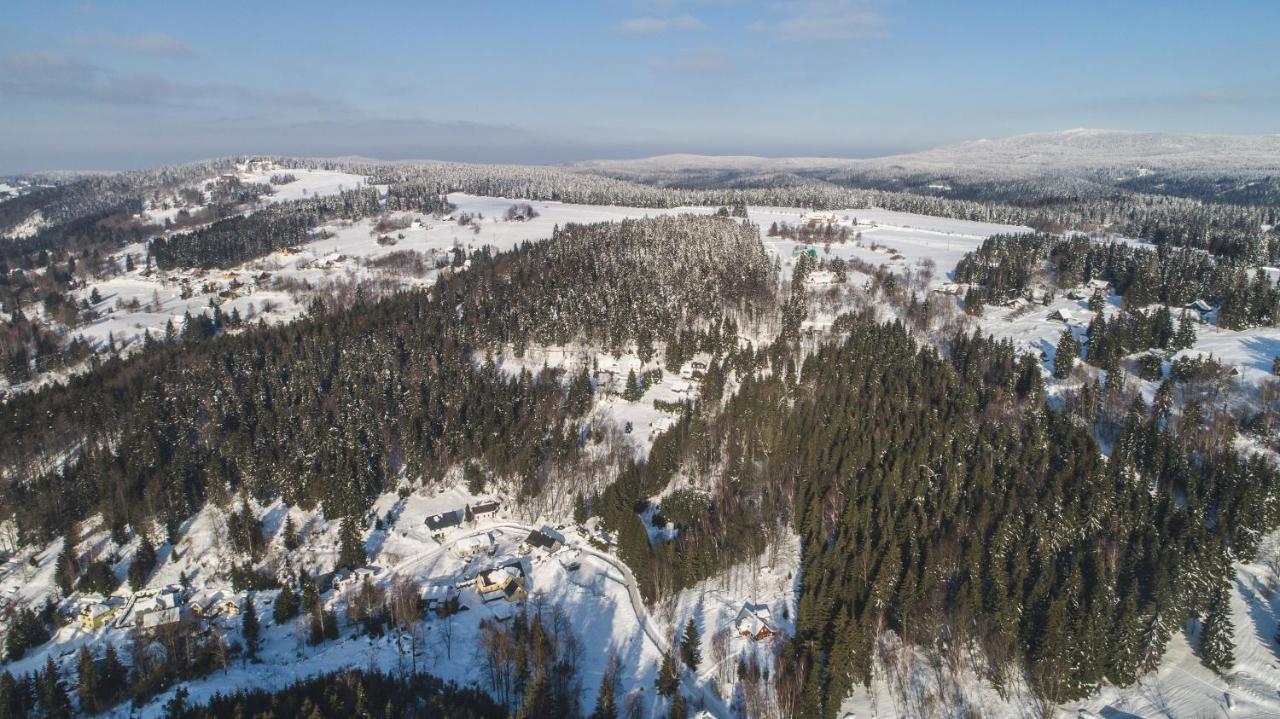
pixel 1039 153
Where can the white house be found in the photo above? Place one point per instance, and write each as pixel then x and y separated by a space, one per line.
pixel 1061 315
pixel 475 545
pixel 814 219
pixel 754 621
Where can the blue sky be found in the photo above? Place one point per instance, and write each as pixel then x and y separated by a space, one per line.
pixel 106 85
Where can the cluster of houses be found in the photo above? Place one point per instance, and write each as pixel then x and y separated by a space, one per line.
pixel 442 522
pixel 152 609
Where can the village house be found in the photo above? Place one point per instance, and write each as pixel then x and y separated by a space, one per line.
pixel 505 582
pixel 440 598
pixel 160 609
pixel 819 219
pixel 445 520
pixel 546 540
pixel 98 614
pixel 1060 315
pixel 1016 303
pixel 1201 308
pixel 754 622
pixel 475 545
pixel 1099 285
pixel 485 508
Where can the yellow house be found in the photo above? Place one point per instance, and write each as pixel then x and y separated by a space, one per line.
pixel 502 582
pixel 95 616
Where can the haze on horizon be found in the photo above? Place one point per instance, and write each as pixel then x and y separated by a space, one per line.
pixel 108 86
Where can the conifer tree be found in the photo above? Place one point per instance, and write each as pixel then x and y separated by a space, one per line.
pixel 286 605
pixel 290 533
pixel 88 687
pixel 1216 639
pixel 606 701
pixel 632 392
pixel 1064 359
pixel 1185 336
pixel 53 698
pixel 668 679
pixel 250 628
pixel 678 709
pixel 350 544
pixel 691 646
pixel 144 561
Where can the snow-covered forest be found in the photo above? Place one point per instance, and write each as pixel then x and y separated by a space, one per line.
pixel 590 441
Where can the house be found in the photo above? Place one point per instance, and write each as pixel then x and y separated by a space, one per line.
pixel 696 365
pixel 680 387
pixel 475 545
pixel 1077 293
pixel 1061 315
pixel 505 582
pixel 219 602
pixel 444 520
pixel 160 618
pixel 440 598
pixel 754 622
pixel 819 219
pixel 485 508
pixel 1098 285
pixel 1200 307
pixel 810 251
pixel 95 615
pixel 1016 303
pixel 950 288
pixel 545 539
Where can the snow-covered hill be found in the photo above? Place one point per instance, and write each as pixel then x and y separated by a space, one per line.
pixel 1067 151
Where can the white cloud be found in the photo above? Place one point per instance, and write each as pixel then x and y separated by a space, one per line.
pixel 155 43
pixel 661 24
pixel 824 20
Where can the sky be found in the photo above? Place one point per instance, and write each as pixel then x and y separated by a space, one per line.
pixel 119 85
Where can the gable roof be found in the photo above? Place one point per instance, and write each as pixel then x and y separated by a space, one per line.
pixel 444 520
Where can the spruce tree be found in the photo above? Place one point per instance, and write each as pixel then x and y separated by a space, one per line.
pixel 290 533
pixel 350 544
pixel 606 702
pixel 668 679
pixel 250 628
pixel 286 605
pixel 691 646
pixel 1216 639
pixel 1185 336
pixel 632 392
pixel 88 686
pixel 53 698
pixel 1064 359
pixel 678 709
pixel 144 561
